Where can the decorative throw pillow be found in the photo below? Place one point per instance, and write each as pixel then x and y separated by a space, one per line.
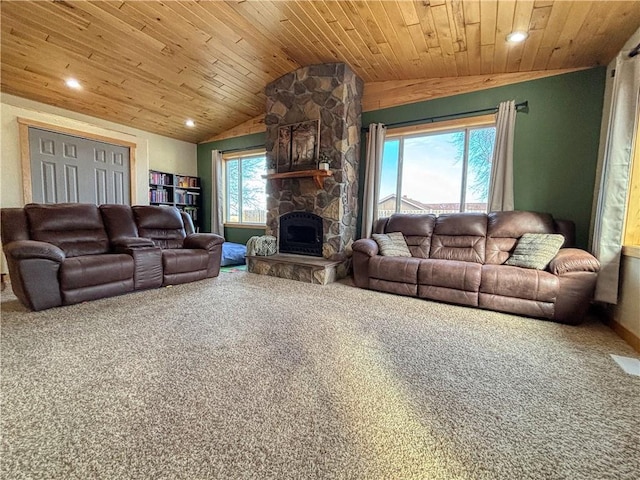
pixel 535 250
pixel 392 244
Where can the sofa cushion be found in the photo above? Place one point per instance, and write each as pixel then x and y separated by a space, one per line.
pixel 505 228
pixel 535 250
pixel 449 281
pixel 90 270
pixel 450 274
pixel 417 231
pixel 397 288
pixel 75 228
pixel 14 225
pixel 392 244
pixel 380 225
pixel 395 269
pixel 517 282
pixel 519 306
pixel 118 221
pixel 163 225
pixel 459 236
pixel 184 260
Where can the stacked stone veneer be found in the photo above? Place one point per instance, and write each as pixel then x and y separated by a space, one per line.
pixel 332 93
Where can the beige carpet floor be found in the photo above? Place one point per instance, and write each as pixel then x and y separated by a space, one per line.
pixel 253 377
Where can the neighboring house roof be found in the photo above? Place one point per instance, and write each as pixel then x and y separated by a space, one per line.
pixel 431 206
pixel 407 200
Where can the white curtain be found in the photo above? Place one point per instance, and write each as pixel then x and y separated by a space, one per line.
pixel 373 169
pixel 614 179
pixel 501 182
pixel 217 193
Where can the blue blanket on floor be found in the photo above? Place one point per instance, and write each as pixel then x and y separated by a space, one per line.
pixel 233 254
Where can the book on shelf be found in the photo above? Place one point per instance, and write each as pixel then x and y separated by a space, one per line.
pixel 159 178
pixel 193 213
pixel 159 195
pixel 179 191
pixel 187 182
pixel 186 197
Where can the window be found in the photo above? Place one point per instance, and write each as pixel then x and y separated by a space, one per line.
pixel 444 169
pixel 245 189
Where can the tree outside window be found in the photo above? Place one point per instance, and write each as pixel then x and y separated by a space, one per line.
pixel 246 198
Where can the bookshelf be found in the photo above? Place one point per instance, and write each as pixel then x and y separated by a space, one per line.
pixel 180 191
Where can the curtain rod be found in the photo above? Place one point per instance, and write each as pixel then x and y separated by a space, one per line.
pixel 252 147
pixel 523 106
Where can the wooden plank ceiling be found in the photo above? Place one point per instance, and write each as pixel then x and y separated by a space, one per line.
pixel 151 65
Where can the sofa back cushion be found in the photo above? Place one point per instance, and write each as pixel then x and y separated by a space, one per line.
pixel 75 228
pixel 118 221
pixel 460 236
pixel 13 222
pixel 162 225
pixel 566 228
pixel 380 225
pixel 187 221
pixel 505 228
pixel 417 231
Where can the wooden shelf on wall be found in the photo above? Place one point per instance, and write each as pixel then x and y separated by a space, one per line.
pixel 317 175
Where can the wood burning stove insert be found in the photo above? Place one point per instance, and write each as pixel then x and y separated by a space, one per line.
pixel 301 233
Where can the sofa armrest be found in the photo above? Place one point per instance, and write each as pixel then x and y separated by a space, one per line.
pixel 205 241
pixel 131 243
pixel 33 268
pixel 363 250
pixel 28 249
pixel 367 246
pixel 569 260
pixel 210 242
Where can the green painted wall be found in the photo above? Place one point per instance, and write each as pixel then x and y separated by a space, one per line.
pixel 555 151
pixel 241 235
pixel 556 142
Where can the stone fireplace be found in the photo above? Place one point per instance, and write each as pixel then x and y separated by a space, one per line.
pixel 330 93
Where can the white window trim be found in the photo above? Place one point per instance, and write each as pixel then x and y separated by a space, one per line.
pixel 457 124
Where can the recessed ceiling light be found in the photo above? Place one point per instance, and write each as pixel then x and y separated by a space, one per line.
pixel 517 37
pixel 73 83
pixel 190 123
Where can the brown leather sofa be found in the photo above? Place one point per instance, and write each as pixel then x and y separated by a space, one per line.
pixel 69 253
pixel 459 258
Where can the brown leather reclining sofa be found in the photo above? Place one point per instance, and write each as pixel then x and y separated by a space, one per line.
pixel 69 253
pixel 459 258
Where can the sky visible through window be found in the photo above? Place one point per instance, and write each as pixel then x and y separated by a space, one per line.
pixel 432 166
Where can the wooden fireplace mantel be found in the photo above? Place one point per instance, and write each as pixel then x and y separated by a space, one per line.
pixel 317 175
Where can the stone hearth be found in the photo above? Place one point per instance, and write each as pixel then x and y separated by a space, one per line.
pixel 298 267
pixel 332 93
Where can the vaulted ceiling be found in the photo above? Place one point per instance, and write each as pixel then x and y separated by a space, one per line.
pixel 152 65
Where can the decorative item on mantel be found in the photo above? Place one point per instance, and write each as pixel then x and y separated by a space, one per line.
pixel 324 162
